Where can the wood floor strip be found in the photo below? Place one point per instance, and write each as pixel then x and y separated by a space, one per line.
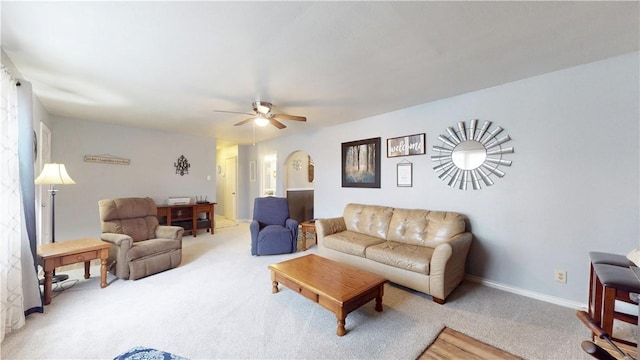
pixel 451 344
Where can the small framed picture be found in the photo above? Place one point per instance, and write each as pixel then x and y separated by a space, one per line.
pixel 406 145
pixel 404 174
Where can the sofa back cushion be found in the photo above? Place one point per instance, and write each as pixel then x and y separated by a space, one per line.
pixel 424 227
pixel 136 217
pixel 371 220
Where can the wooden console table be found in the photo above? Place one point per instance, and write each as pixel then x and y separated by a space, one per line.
pixel 53 255
pixel 186 216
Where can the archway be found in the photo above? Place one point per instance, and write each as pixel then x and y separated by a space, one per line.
pixel 299 187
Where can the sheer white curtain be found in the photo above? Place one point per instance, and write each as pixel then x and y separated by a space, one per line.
pixel 12 226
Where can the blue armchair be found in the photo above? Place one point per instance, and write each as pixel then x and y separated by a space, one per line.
pixel 272 231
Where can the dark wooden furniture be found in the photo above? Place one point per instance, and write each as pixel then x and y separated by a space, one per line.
pixel 336 287
pixel 307 227
pixel 187 216
pixel 300 204
pixel 53 255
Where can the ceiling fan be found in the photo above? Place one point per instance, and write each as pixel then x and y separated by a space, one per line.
pixel 262 115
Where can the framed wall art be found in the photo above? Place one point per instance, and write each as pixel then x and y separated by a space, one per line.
pixel 404 174
pixel 406 145
pixel 361 163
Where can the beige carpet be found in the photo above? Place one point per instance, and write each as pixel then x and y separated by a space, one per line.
pixel 222 222
pixel 218 305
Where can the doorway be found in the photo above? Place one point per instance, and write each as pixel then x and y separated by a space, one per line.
pixel 230 187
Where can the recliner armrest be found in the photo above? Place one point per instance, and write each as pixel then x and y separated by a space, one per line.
pixel 117 239
pixel 169 232
pixel 291 224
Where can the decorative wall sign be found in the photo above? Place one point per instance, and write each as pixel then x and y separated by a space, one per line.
pixel 106 159
pixel 182 165
pixel 404 174
pixel 406 145
pixel 361 163
pixel 471 156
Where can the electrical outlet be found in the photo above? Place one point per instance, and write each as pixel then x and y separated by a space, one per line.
pixel 561 276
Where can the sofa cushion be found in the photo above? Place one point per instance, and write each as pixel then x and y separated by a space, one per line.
pixel 151 248
pixel 404 256
pixel 423 227
pixel 350 242
pixel 371 220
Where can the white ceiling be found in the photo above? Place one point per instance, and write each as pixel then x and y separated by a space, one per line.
pixel 168 65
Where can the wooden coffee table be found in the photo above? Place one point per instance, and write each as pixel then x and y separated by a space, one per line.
pixel 336 287
pixel 53 255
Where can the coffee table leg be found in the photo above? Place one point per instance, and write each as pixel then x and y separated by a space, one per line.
pixel 379 298
pixel 341 330
pixel 304 239
pixel 379 304
pixel 274 287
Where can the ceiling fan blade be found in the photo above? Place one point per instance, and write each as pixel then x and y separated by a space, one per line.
pixel 233 112
pixel 244 121
pixel 289 117
pixel 277 123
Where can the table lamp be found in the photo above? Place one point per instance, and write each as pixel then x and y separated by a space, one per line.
pixel 51 175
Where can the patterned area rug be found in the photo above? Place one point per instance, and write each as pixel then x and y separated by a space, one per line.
pixel 145 353
pixel 451 344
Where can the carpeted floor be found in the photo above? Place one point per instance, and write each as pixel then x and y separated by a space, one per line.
pixel 222 222
pixel 218 305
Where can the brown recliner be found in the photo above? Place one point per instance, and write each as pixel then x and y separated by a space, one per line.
pixel 141 247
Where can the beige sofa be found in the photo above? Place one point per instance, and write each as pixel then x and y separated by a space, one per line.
pixel 420 249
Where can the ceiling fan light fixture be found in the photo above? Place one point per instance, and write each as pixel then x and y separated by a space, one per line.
pixel 262 107
pixel 261 120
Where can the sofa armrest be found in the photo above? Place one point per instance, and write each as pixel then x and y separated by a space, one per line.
pixel 120 240
pixel 447 265
pixel 169 232
pixel 326 227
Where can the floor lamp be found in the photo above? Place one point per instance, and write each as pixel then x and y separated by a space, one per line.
pixel 54 174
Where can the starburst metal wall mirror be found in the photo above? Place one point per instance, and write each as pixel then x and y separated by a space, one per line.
pixel 470 157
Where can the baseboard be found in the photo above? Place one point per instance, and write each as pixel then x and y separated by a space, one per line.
pixel 528 293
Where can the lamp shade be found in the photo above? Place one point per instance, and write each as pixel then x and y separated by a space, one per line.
pixel 54 174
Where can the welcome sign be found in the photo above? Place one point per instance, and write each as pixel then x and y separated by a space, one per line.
pixel 406 145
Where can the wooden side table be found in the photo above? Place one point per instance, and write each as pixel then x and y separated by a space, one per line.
pixel 308 226
pixel 51 256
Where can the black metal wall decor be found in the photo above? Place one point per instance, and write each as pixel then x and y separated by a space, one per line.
pixel 182 165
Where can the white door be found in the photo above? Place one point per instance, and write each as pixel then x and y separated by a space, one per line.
pixel 43 198
pixel 230 186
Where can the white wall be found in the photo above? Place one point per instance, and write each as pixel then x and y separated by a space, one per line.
pixel 573 186
pixel 151 171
